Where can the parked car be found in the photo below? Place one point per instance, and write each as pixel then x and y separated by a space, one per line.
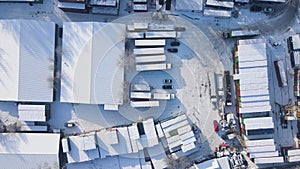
pixel 175 43
pixel 168 81
pixel 167 87
pixel 268 10
pixel 70 124
pixel 216 125
pixel 173 50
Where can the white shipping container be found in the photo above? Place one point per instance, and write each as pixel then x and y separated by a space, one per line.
pixel 250 41
pixel 162 96
pixel 261 149
pixel 147 42
pixel 293 152
pixel 140 7
pixel 140 95
pixel 65 145
pixel 217 13
pixel 148 51
pixel 269 160
pixel 149 67
pixel 258 120
pixel 254 109
pixel 293 158
pixel 237 33
pixel 150 58
pixel 264 154
pixel 170 34
pixel 140 87
pixel 144 103
pixel 262 142
pixel 258 126
pixel 217 3
pixel 258 63
pixel 140 26
pixel 135 35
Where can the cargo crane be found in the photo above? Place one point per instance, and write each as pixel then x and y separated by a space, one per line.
pixel 291 111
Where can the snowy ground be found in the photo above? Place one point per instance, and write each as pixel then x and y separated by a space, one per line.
pixel 202 51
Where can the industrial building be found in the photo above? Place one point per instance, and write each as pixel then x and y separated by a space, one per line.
pixel 93 73
pixel 27 64
pixel 29 150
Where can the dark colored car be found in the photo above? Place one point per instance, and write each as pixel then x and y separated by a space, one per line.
pixel 175 43
pixel 167 87
pixel 173 50
pixel 168 81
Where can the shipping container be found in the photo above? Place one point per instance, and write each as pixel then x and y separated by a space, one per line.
pixel 140 87
pixel 293 158
pixel 150 67
pixel 148 51
pixel 160 34
pixel 135 35
pixel 65 145
pixel 264 154
pixel 153 103
pixel 150 43
pixel 293 152
pixel 280 73
pixel 217 13
pixel 222 4
pixel 261 149
pixel 140 7
pixel 150 58
pixel 269 160
pixel 258 63
pixel 163 96
pixel 140 95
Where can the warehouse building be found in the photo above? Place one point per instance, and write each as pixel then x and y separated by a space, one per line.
pixel 27 60
pixel 29 150
pixel 92 63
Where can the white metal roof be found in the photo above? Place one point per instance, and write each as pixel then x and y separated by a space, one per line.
pixel 27 55
pixel 31 112
pixel 150 133
pixel 29 150
pixel 157 155
pixel 92 63
pixel 189 5
pixel 29 143
pixel 109 147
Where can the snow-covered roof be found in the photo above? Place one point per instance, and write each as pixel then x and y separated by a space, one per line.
pixel 92 63
pixel 158 156
pixel 210 164
pixel 296 41
pixel 32 112
pixel 179 133
pixel 111 144
pixel 27 60
pixel 29 150
pixel 189 5
pixel 82 148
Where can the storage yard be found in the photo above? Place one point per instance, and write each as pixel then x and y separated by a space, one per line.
pixel 149 84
